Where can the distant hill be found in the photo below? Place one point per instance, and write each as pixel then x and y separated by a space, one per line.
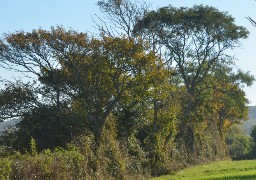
pixel 8 124
pixel 247 125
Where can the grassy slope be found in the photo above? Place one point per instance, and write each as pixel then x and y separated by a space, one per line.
pixel 229 170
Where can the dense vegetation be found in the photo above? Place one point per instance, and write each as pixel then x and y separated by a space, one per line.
pixel 154 95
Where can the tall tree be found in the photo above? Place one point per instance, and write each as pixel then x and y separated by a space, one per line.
pixel 196 39
pixel 94 74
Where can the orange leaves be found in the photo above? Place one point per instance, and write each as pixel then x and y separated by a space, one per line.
pixel 17 39
pixel 56 38
pixel 97 71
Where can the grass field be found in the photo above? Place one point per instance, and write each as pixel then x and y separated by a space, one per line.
pixel 223 170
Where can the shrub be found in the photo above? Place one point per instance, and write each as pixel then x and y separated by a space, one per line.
pixel 60 164
pixel 5 168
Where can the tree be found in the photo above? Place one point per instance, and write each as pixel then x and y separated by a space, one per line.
pixel 16 99
pixel 113 67
pixel 253 136
pixel 196 39
pixel 194 44
pixel 239 144
pixel 122 14
pixel 89 75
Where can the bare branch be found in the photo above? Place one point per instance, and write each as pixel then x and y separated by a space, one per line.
pixel 251 21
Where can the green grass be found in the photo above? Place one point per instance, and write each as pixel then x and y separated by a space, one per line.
pixel 223 170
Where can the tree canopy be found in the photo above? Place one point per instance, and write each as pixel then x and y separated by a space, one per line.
pixel 195 39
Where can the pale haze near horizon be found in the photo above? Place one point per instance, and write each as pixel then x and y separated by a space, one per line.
pixel 27 15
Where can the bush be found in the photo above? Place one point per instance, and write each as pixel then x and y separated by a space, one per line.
pixel 5 168
pixel 60 164
pixel 81 160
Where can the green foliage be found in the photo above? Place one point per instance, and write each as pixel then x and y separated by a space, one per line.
pixel 253 136
pixel 33 148
pixel 49 165
pixel 253 133
pixel 199 25
pixel 46 128
pixel 239 144
pixel 5 168
pixel 15 100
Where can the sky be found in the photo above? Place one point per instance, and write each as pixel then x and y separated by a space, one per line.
pixel 27 15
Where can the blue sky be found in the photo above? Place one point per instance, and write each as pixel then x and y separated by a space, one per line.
pixel 77 14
